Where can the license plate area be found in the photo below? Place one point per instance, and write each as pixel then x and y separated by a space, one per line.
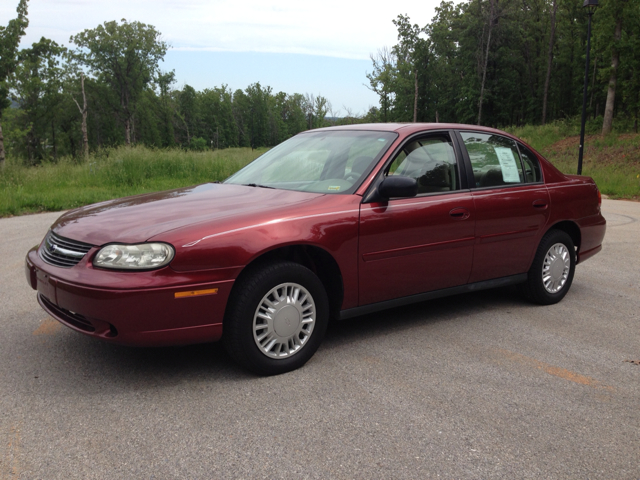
pixel 47 286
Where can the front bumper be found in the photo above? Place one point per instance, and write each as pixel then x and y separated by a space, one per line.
pixel 132 308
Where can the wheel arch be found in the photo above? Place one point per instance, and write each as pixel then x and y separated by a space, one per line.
pixel 570 228
pixel 315 258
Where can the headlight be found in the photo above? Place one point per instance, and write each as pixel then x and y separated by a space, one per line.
pixel 144 256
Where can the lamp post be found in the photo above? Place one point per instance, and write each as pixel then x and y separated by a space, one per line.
pixel 591 6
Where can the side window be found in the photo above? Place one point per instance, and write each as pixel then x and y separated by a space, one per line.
pixel 431 161
pixel 531 165
pixel 494 159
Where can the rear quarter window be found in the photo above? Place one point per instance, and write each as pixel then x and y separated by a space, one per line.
pixel 531 165
pixel 495 160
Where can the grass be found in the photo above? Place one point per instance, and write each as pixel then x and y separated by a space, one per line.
pixel 112 173
pixel 543 136
pixel 613 161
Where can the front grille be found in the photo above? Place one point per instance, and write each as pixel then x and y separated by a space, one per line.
pixel 62 252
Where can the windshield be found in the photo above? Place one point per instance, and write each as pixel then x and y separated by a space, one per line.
pixel 320 162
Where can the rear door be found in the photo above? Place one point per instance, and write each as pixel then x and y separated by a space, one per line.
pixel 414 245
pixel 511 204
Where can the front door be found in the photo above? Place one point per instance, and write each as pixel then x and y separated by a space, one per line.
pixel 414 245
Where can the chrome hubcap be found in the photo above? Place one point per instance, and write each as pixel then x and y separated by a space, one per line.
pixel 555 269
pixel 284 320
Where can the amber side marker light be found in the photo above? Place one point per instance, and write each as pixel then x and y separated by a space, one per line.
pixel 196 293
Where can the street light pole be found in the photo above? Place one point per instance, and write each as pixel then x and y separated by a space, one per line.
pixel 591 6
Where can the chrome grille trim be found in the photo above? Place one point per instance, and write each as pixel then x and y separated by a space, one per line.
pixel 62 252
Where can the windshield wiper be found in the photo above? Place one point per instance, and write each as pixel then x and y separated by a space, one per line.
pixel 256 185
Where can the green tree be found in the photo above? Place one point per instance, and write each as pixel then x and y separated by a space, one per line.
pixel 407 55
pixel 188 114
pixel 9 41
pixel 552 34
pixel 292 112
pixel 147 120
pixel 216 107
pixel 447 78
pixel 125 57
pixel 382 79
pixel 629 68
pixel 614 21
pixel 84 110
pixel 277 124
pixel 164 80
pixel 257 115
pixel 241 111
pixel 509 62
pixel 320 110
pixel 36 85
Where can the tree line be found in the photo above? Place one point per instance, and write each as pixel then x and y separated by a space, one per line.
pixel 511 62
pixel 490 62
pixel 109 91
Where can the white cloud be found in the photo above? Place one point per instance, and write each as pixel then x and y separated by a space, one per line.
pixel 347 29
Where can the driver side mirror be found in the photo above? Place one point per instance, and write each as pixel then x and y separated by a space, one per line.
pixel 398 186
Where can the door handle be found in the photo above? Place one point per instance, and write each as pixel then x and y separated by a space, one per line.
pixel 460 213
pixel 541 204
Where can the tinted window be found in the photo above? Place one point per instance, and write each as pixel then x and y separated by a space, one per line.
pixel 531 165
pixel 431 161
pixel 494 159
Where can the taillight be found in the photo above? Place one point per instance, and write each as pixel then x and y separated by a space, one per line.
pixel 599 198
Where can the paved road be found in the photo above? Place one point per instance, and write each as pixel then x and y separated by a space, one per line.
pixel 482 385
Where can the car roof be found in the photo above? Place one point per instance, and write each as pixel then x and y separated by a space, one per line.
pixel 408 128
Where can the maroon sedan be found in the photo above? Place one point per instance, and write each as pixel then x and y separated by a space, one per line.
pixel 332 223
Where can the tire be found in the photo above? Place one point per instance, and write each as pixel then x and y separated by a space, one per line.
pixel 551 273
pixel 276 319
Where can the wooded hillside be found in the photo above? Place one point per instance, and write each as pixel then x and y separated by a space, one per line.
pixel 511 62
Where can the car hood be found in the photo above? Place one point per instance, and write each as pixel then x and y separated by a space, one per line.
pixel 138 218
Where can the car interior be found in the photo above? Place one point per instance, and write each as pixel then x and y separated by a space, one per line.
pixel 431 161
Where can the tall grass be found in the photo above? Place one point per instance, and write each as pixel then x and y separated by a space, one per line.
pixel 613 161
pixel 112 173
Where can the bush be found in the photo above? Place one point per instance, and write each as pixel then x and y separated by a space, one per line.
pixel 198 144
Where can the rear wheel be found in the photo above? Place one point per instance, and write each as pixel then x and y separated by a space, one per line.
pixel 551 273
pixel 276 318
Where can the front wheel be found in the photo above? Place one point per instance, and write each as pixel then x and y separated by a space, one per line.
pixel 551 273
pixel 276 318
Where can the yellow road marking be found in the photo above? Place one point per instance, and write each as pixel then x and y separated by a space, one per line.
pixel 10 452
pixel 554 370
pixel 49 326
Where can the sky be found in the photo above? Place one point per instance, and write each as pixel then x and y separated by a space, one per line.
pixel 320 47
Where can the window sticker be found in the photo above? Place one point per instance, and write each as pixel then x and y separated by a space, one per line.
pixel 335 189
pixel 508 163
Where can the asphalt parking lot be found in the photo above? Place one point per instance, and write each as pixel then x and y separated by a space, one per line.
pixel 482 385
